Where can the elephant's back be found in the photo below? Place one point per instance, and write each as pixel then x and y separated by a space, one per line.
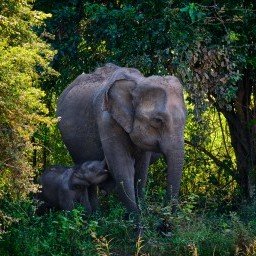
pixel 85 86
pixel 77 117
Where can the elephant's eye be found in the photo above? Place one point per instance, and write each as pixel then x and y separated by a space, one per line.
pixel 156 122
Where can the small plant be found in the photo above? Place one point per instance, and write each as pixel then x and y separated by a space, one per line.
pixel 5 222
pixel 103 245
pixel 139 245
pixel 192 248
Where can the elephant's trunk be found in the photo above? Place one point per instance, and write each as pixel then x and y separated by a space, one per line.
pixel 173 149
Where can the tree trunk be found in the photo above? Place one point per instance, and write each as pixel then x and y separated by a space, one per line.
pixel 241 122
pixel 241 140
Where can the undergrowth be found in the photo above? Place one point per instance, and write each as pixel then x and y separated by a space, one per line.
pixel 187 232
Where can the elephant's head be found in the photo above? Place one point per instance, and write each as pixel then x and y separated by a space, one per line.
pixel 151 110
pixel 89 173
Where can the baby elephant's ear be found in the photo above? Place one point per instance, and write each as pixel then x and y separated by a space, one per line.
pixel 78 179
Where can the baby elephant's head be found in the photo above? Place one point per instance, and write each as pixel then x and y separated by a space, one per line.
pixel 89 173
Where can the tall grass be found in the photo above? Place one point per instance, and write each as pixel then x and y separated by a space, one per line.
pixel 187 232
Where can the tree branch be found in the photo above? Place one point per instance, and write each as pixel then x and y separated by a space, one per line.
pixel 218 162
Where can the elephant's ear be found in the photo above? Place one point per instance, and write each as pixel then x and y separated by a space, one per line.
pixel 119 102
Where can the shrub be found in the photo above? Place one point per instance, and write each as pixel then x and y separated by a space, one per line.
pixel 187 232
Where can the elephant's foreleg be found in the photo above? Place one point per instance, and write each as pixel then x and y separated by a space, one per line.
pixel 123 173
pixel 66 201
pixel 121 165
pixel 125 191
pixel 93 197
pixel 142 160
pixel 84 200
pixel 117 148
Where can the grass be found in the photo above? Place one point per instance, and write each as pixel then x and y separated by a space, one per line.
pixel 188 232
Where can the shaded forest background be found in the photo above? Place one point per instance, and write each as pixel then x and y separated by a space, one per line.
pixel 209 45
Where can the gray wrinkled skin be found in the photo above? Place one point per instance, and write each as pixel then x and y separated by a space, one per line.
pixel 120 114
pixel 63 187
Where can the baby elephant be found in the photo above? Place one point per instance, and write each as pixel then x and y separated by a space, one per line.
pixel 63 187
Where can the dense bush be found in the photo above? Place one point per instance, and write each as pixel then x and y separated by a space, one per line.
pixel 24 64
pixel 188 232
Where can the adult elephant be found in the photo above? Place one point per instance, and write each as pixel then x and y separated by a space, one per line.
pixel 120 114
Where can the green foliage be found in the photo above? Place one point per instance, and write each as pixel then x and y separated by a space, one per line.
pixel 49 148
pixel 194 13
pixel 130 33
pixel 188 232
pixel 54 234
pixel 209 170
pixel 63 32
pixel 24 62
pixel 200 42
